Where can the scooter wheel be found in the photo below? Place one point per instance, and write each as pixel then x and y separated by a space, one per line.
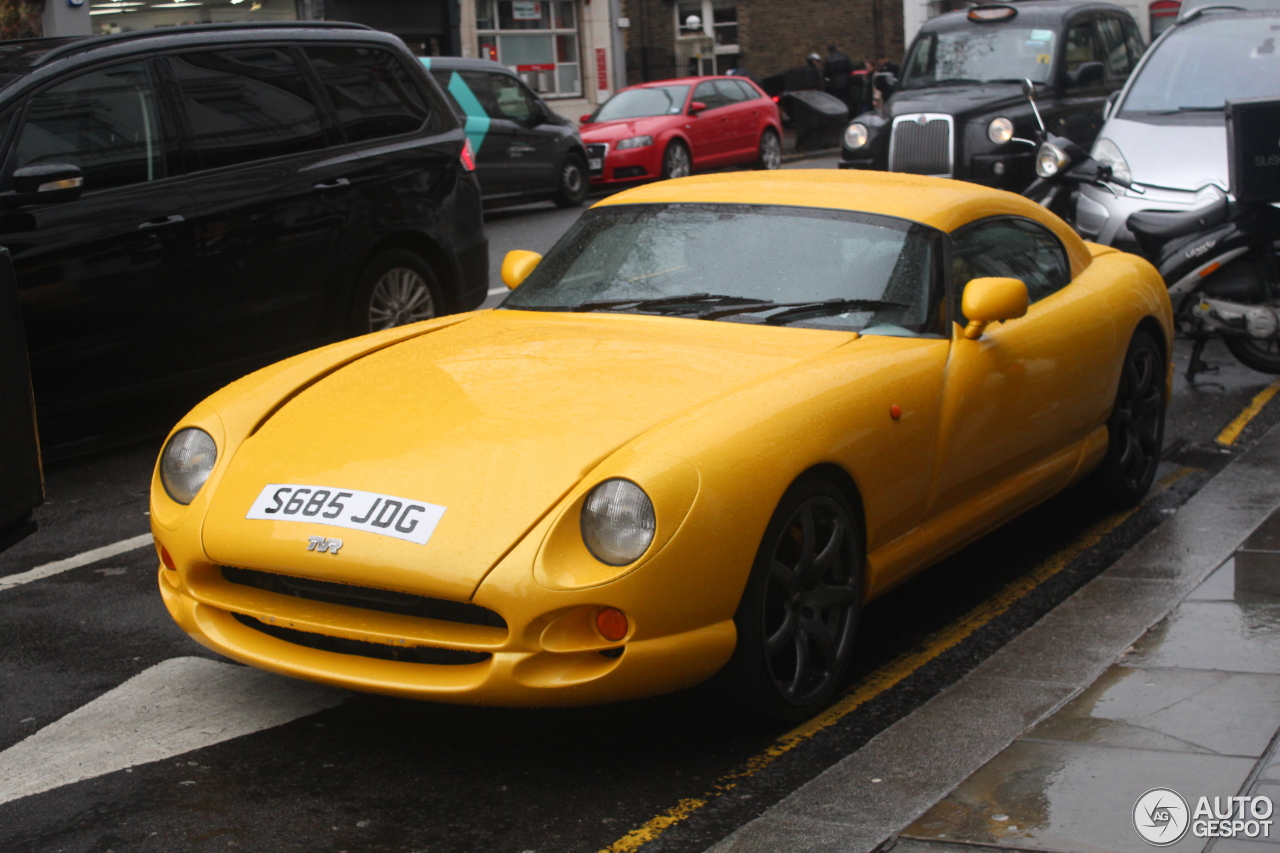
pixel 1262 356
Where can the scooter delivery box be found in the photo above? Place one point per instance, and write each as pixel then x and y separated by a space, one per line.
pixel 1253 149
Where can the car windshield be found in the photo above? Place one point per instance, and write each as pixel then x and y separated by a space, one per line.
pixel 800 266
pixel 1198 67
pixel 984 53
pixel 639 103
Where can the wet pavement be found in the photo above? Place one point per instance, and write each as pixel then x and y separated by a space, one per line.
pixel 1163 672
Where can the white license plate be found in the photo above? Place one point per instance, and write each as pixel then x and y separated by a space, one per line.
pixel 595 164
pixel 385 515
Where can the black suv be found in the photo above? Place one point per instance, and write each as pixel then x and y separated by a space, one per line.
pixel 524 151
pixel 958 110
pixel 185 204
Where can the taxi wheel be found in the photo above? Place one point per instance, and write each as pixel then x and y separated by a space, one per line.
pixel 396 288
pixel 799 612
pixel 1135 428
pixel 770 150
pixel 573 182
pixel 676 162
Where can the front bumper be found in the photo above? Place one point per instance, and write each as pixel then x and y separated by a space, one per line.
pixel 1101 215
pixel 629 165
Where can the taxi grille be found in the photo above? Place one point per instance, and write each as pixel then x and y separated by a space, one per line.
pixel 361 648
pixel 364 597
pixel 921 144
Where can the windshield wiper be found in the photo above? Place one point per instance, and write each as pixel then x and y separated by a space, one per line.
pixel 829 306
pixel 687 299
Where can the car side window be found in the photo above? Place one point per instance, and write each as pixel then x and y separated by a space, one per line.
pixel 748 92
pixel 371 92
pixel 1010 247
pixel 730 90
pixel 513 100
pixel 1114 48
pixel 707 94
pixel 1133 38
pixel 246 104
pixel 1080 46
pixel 103 121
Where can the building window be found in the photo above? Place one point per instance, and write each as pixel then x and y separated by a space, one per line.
pixel 536 38
pixel 711 46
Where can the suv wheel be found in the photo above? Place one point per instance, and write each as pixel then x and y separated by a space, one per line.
pixel 396 288
pixel 573 182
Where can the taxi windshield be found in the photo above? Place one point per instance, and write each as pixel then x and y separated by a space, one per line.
pixel 769 264
pixel 640 103
pixel 983 53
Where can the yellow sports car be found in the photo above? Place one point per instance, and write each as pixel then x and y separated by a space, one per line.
pixel 721 414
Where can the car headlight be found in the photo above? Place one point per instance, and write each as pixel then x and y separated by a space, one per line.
pixel 186 463
pixel 1050 159
pixel 617 522
pixel 856 135
pixel 1000 130
pixel 1107 153
pixel 635 142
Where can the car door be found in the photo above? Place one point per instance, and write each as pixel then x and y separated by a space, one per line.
pixel 534 145
pixel 709 130
pixel 105 280
pixel 1076 112
pixel 269 220
pixel 1019 400
pixel 740 124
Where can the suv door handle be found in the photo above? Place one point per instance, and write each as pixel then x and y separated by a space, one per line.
pixel 162 221
pixel 335 184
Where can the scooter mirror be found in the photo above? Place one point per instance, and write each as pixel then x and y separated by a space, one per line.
pixel 1028 89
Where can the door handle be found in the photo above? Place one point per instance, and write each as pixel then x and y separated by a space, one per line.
pixel 162 221
pixel 335 184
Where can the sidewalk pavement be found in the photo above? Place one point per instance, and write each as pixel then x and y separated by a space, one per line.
pixel 1162 672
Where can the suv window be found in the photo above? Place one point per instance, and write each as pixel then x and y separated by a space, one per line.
pixel 104 122
pixel 1080 46
pixel 246 104
pixel 707 94
pixel 371 91
pixel 1118 61
pixel 1010 247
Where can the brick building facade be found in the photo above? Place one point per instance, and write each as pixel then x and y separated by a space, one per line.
pixel 764 36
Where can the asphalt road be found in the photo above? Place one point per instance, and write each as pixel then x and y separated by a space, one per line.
pixel 117 733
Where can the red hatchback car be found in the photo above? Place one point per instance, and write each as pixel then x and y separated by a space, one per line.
pixel 669 128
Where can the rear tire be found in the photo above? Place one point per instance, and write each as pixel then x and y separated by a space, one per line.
pixel 1262 356
pixel 799 612
pixel 676 162
pixel 397 287
pixel 1135 429
pixel 573 179
pixel 770 149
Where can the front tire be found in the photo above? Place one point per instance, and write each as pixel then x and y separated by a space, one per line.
pixel 798 615
pixel 397 287
pixel 1135 428
pixel 572 190
pixel 770 149
pixel 676 161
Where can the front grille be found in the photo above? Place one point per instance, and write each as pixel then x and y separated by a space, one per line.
pixel 597 151
pixel 361 648
pixel 921 144
pixel 366 597
pixel 629 172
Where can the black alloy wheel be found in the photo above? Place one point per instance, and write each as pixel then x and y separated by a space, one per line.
pixel 1262 356
pixel 798 614
pixel 572 187
pixel 396 288
pixel 1136 426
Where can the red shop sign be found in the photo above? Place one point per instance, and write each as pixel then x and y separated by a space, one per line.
pixel 602 70
pixel 540 66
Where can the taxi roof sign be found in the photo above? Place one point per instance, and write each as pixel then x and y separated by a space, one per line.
pixel 987 14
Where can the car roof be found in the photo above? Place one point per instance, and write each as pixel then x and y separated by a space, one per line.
pixel 684 81
pixel 460 63
pixel 940 203
pixel 1034 12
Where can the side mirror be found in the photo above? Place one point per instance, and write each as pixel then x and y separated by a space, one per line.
pixel 696 107
pixel 886 83
pixel 50 182
pixel 1028 89
pixel 586 119
pixel 517 265
pixel 537 115
pixel 1087 72
pixel 987 301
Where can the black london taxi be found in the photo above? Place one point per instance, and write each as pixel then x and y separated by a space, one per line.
pixel 21 482
pixel 958 109
pixel 186 204
pixel 524 150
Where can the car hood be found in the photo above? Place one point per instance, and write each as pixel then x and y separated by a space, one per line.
pixel 612 131
pixel 1157 150
pixel 495 419
pixel 958 101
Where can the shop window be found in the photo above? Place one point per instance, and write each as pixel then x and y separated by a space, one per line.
pixel 538 39
pixel 1164 13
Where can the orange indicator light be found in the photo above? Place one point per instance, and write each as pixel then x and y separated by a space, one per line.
pixel 611 623
pixel 895 411
pixel 1211 269
pixel 167 559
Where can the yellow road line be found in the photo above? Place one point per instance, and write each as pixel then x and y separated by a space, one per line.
pixel 886 676
pixel 1229 435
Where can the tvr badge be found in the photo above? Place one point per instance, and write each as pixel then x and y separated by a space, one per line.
pixel 321 544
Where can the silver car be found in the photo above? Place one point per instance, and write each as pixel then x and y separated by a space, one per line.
pixel 1166 131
